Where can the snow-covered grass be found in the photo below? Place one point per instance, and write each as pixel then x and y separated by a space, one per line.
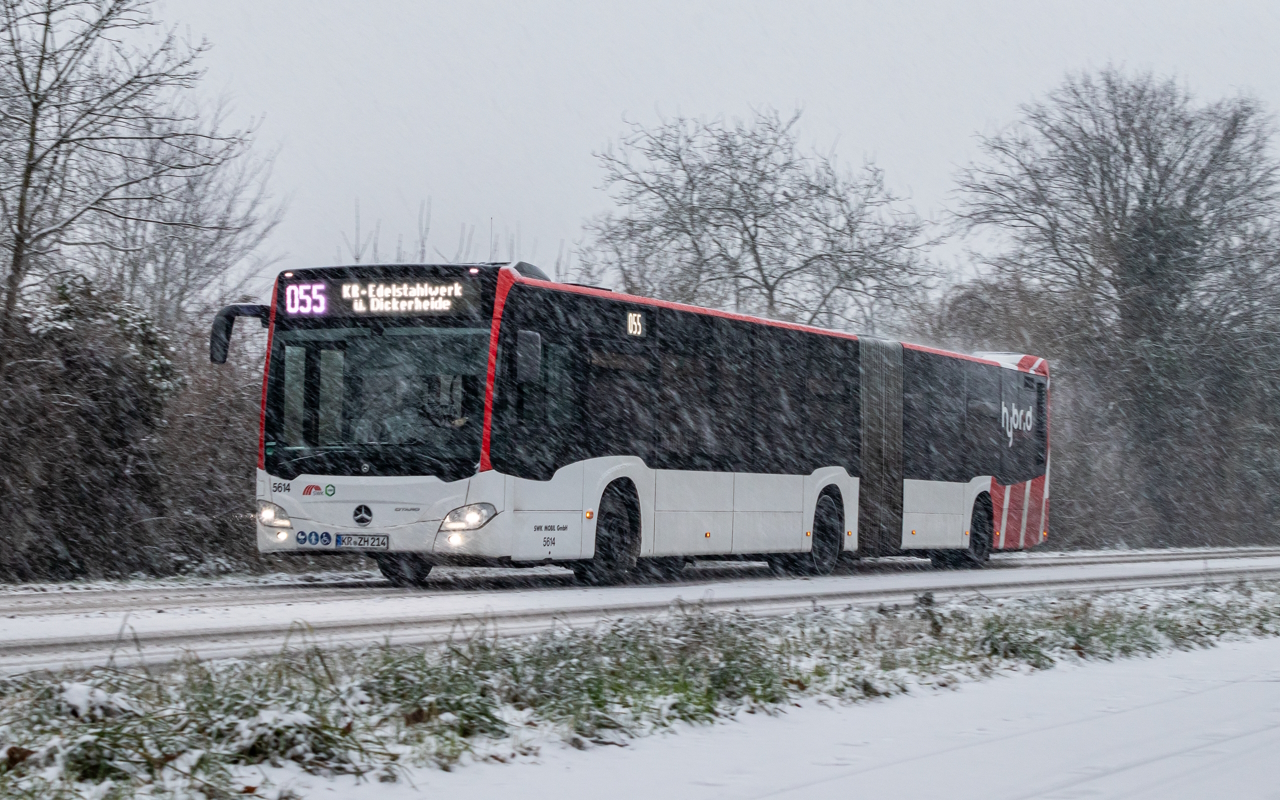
pixel 192 731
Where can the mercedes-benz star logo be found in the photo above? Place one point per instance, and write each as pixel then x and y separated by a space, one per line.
pixel 363 515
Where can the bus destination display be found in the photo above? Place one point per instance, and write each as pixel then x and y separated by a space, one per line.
pixel 369 298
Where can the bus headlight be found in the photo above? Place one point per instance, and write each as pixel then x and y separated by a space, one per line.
pixel 272 515
pixel 468 518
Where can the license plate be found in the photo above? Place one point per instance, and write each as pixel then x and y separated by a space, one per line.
pixel 362 541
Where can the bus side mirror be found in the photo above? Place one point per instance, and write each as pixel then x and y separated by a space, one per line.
pixel 528 356
pixel 220 336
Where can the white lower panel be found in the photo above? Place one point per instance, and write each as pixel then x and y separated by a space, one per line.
pixel 685 532
pixel 933 497
pixel 752 492
pixel 933 530
pixel 539 535
pixel 563 491
pixel 682 490
pixel 768 532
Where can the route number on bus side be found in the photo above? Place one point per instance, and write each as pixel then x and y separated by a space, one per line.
pixel 635 323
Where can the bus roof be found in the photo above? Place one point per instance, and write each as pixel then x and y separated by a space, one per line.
pixel 529 274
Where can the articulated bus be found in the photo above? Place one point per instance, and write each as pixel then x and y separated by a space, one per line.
pixel 484 415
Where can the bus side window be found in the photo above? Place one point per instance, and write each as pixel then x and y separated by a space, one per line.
pixel 933 414
pixel 558 376
pixel 687 438
pixel 779 426
pixel 948 396
pixel 547 410
pixel 537 423
pixel 619 400
pixel 983 440
pixel 1017 420
pixel 687 388
pixel 734 403
pixel 830 400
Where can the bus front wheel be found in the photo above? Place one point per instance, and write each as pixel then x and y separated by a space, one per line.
pixel 617 538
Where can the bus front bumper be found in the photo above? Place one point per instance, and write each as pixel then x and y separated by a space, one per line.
pixel 307 536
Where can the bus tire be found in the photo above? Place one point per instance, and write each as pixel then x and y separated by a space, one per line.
pixel 617 537
pixel 981 536
pixel 405 570
pixel 828 522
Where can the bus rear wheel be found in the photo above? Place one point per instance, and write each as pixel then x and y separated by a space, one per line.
pixel 405 570
pixel 981 530
pixel 828 521
pixel 617 538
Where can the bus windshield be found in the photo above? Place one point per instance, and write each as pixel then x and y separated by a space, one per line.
pixel 395 397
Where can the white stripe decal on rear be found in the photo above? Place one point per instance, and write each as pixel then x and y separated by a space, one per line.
pixel 1026 507
pixel 1004 518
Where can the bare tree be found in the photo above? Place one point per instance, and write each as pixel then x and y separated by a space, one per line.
pixel 1123 193
pixel 90 123
pixel 508 245
pixel 185 242
pixel 1143 222
pixel 734 215
pixel 358 244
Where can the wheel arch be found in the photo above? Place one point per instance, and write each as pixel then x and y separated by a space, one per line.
pixel 638 479
pixel 984 503
pixel 837 481
pixel 831 490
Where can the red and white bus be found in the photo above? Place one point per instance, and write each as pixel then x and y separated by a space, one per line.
pixel 482 414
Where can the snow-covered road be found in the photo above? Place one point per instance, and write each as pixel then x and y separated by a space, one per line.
pixel 151 626
pixel 1194 725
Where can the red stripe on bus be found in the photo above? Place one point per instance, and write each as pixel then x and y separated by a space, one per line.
pixel 1013 529
pixel 266 370
pixel 925 349
pixel 1044 515
pixel 997 508
pixel 506 279
pixel 1034 511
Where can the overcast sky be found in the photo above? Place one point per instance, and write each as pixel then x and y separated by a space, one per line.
pixel 492 110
